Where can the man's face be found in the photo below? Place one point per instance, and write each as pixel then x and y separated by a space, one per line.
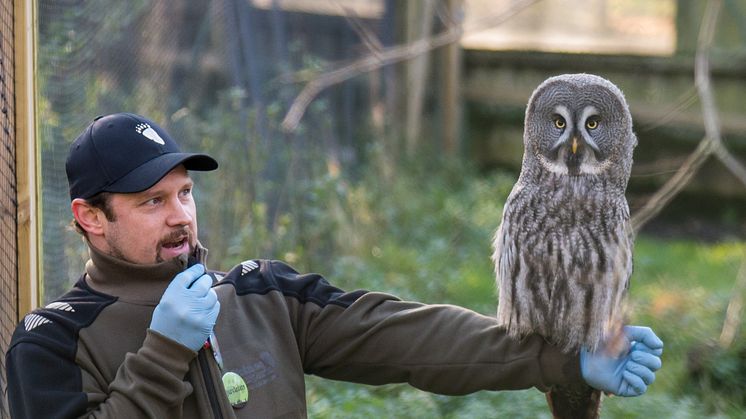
pixel 155 225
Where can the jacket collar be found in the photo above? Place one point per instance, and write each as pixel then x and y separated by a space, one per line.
pixel 134 282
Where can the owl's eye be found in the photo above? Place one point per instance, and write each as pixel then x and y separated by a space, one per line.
pixel 559 122
pixel 591 124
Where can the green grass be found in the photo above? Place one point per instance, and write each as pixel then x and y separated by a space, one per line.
pixel 680 288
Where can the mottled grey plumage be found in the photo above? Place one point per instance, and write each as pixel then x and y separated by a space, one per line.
pixel 563 251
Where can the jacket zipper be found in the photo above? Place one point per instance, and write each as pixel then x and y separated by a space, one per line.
pixel 212 396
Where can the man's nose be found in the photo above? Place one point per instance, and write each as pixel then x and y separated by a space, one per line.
pixel 179 213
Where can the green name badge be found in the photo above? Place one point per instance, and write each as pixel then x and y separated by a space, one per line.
pixel 235 387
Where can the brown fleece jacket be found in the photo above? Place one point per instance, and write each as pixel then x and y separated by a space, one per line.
pixel 91 354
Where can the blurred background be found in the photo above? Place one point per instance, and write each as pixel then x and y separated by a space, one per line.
pixel 375 142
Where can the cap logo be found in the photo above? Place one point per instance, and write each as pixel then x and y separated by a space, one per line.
pixel 149 133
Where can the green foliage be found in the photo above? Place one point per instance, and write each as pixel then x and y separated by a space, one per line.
pixel 717 373
pixel 682 288
pixel 425 234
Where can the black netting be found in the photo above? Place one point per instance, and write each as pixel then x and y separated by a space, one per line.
pixel 214 74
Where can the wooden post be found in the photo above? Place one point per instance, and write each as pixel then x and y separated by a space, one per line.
pixel 26 158
pixel 419 23
pixel 451 84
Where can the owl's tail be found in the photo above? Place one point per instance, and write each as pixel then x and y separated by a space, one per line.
pixel 577 402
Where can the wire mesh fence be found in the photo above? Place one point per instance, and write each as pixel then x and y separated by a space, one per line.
pixel 212 78
pixel 8 225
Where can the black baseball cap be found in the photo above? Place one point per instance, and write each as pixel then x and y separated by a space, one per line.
pixel 125 153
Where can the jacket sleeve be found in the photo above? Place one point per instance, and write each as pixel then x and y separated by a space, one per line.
pixel 44 381
pixel 375 338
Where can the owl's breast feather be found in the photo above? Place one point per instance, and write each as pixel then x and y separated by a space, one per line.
pixel 562 261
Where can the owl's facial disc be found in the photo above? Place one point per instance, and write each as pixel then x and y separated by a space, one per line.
pixel 574 151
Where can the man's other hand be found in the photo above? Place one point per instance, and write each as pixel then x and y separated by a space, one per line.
pixel 630 373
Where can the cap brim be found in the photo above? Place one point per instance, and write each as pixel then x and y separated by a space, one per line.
pixel 150 172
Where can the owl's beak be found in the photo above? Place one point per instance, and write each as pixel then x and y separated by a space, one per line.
pixel 574 145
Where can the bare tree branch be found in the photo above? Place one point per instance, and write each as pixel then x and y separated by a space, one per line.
pixel 735 167
pixel 702 78
pixel 703 82
pixel 366 35
pixel 712 126
pixel 712 143
pixel 388 56
pixel 445 15
pixel 684 101
pixel 671 188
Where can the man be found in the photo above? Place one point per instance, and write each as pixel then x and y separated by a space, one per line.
pixel 139 334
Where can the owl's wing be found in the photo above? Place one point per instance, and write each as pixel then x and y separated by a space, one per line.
pixel 506 261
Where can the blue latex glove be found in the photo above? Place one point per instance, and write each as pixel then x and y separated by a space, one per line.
pixel 188 309
pixel 630 373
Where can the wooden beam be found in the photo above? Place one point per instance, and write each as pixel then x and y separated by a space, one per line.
pixel 26 157
pixel 419 25
pixel 730 64
pixel 451 89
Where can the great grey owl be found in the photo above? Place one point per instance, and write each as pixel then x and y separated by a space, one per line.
pixel 563 251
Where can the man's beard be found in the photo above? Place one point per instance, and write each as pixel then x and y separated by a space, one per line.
pixel 181 233
pixel 115 249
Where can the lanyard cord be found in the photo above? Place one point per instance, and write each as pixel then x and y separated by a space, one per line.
pixel 212 343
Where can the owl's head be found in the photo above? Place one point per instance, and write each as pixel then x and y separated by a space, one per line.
pixel 577 125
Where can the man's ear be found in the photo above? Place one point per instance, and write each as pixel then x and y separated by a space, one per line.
pixel 90 219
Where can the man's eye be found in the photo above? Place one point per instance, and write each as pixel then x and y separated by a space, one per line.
pixel 153 201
